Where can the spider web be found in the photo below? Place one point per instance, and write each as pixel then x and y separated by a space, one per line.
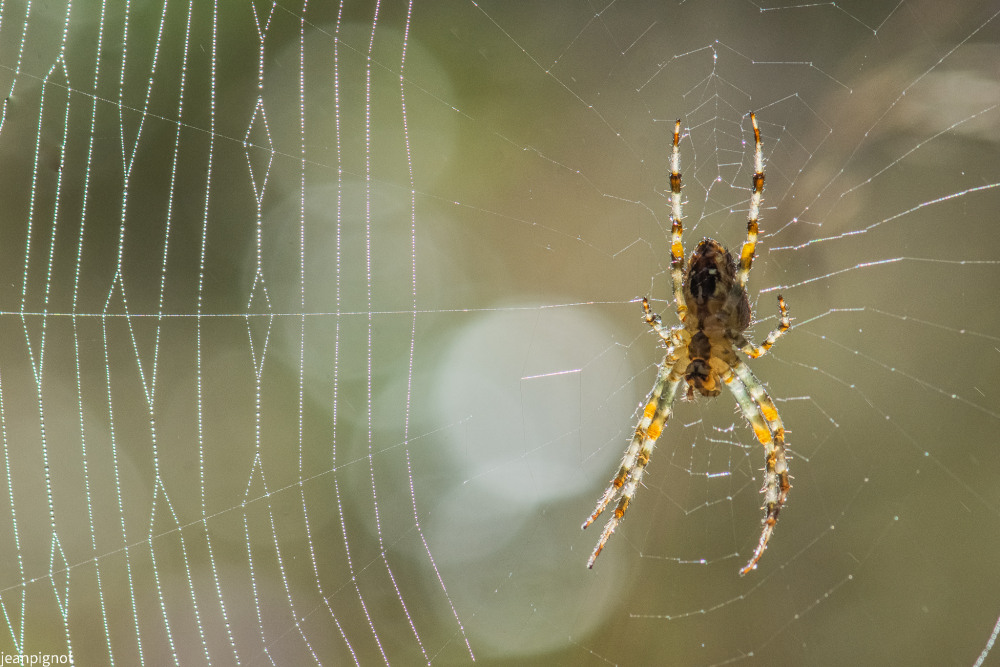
pixel 322 331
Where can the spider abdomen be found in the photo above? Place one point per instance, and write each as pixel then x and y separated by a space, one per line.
pixel 710 275
pixel 720 306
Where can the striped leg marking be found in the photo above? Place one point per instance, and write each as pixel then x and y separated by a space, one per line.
pixel 757 185
pixel 676 228
pixel 668 335
pixel 783 323
pixel 629 476
pixel 760 411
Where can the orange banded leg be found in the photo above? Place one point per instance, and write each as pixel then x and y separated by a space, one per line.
pixel 626 482
pixel 783 323
pixel 770 412
pixel 632 451
pixel 759 410
pixel 676 228
pixel 757 190
pixel 668 335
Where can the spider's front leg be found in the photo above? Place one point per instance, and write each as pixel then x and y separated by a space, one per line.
pixel 762 414
pixel 624 484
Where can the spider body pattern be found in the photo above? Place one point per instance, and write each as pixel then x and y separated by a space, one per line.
pixel 713 308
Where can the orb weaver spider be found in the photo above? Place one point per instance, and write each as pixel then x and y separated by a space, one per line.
pixel 714 312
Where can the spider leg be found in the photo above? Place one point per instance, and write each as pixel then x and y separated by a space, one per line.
pixel 760 411
pixel 676 229
pixel 754 351
pixel 653 320
pixel 757 188
pixel 625 483
pixel 676 245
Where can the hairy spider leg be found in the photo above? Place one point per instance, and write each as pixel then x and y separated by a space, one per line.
pixel 757 189
pixel 676 228
pixel 656 403
pixel 653 320
pixel 654 417
pixel 754 351
pixel 760 411
pixel 632 451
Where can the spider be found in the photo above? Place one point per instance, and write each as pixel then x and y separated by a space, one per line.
pixel 714 311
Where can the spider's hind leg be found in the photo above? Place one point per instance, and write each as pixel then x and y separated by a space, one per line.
pixel 676 228
pixel 757 190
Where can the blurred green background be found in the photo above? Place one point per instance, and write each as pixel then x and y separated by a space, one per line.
pixel 322 335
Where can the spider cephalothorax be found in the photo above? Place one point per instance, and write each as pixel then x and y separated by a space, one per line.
pixel 714 311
